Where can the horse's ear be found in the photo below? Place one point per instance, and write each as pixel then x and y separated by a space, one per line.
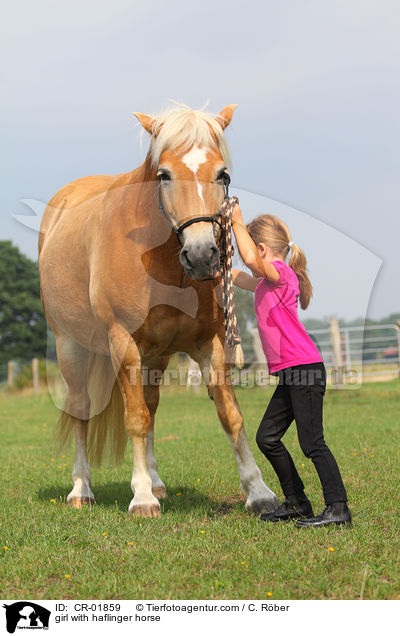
pixel 225 116
pixel 147 122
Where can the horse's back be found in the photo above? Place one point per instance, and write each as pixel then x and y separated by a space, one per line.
pixel 76 196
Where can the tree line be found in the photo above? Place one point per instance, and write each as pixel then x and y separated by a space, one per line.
pixel 23 330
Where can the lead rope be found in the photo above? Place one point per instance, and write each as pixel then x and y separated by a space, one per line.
pixel 232 337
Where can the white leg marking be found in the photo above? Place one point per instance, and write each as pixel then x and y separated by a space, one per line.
pixel 141 480
pixel 151 461
pixel 251 481
pixel 81 477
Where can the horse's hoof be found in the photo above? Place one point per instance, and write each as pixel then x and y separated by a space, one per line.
pixel 262 505
pixel 78 502
pixel 159 492
pixel 145 510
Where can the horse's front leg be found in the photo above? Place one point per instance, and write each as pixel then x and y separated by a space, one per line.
pixel 151 390
pixel 216 373
pixel 127 362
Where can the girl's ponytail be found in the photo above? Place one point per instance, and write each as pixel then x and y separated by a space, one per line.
pixel 298 263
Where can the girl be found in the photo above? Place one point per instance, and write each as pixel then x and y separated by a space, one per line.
pixel 293 357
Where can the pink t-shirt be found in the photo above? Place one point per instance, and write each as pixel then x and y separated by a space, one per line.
pixel 284 338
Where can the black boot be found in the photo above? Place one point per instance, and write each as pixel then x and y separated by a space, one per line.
pixel 291 508
pixel 336 513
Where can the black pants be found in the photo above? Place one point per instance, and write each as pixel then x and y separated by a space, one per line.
pixel 299 395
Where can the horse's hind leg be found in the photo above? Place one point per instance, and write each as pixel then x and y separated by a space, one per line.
pixel 211 360
pixel 151 390
pixel 73 363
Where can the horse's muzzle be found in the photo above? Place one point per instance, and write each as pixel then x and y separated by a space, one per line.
pixel 200 260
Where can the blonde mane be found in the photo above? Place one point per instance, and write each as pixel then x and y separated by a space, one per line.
pixel 183 127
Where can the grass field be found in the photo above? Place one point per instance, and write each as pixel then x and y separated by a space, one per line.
pixel 205 545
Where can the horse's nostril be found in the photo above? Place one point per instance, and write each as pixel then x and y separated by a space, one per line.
pixel 184 257
pixel 214 258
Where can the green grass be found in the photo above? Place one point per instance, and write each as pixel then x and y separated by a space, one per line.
pixel 205 545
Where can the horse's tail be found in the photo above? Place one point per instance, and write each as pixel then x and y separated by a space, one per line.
pixel 106 431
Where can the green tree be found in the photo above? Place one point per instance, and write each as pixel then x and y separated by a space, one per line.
pixel 23 331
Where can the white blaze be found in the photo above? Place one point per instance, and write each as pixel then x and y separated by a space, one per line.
pixel 194 158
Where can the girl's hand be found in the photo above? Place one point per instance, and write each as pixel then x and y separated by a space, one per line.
pixel 237 215
pixel 252 256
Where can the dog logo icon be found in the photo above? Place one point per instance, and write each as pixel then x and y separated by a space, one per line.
pixel 26 615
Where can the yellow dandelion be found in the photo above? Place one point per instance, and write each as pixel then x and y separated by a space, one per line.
pixel 331 549
pixel 269 594
pixel 64 465
pixel 222 481
pixel 53 500
pixel 105 534
pixel 365 449
pixel 130 543
pixel 354 454
pixel 52 459
pixel 67 576
pixel 178 494
pixel 63 456
pixel 198 479
pixel 6 548
pixel 243 563
pixel 372 455
pixel 302 465
pixel 202 531
pixel 44 464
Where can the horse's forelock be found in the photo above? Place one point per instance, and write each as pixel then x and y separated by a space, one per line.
pixel 183 127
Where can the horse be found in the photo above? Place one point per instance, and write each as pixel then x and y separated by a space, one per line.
pixel 129 274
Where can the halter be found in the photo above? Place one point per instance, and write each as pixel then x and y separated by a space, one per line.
pixel 223 218
pixel 216 218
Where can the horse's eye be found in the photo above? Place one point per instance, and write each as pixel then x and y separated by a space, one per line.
pixel 163 175
pixel 224 178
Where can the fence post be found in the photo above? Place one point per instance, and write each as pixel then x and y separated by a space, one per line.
pixel 347 349
pixel 334 333
pixel 10 377
pixel 35 375
pixel 260 357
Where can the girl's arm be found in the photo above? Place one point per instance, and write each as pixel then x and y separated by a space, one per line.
pixel 244 281
pixel 248 250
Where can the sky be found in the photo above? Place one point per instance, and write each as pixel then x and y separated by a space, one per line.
pixel 314 139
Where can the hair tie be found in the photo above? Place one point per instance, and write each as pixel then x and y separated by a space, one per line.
pixel 290 244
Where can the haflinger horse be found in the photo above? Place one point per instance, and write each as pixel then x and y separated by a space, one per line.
pixel 122 292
